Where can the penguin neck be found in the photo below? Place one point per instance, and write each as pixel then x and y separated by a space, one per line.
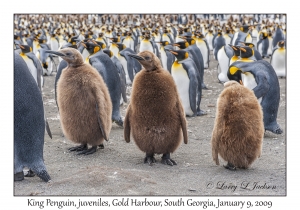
pixel 76 64
pixel 245 60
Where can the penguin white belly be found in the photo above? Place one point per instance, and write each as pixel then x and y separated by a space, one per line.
pixel 209 38
pixel 249 38
pixel 270 46
pixel 124 64
pixel 31 67
pixel 223 65
pixel 227 39
pixel 128 43
pixel 165 38
pixel 234 37
pixel 259 48
pixel 54 44
pixel 48 71
pixel 278 62
pixel 182 82
pixel 249 82
pixel 114 49
pixel 204 51
pixel 164 58
pixel 85 54
pixel 146 45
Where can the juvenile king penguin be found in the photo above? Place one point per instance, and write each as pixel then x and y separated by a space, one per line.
pixel 278 59
pixel 156 121
pixel 238 130
pixel 188 82
pixel 29 124
pixel 84 103
pixel 260 77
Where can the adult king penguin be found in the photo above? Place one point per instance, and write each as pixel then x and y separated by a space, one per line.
pixel 104 65
pixel 260 77
pixel 29 124
pixel 238 129
pixel 187 80
pixel 156 121
pixel 278 59
pixel 166 57
pixel 84 103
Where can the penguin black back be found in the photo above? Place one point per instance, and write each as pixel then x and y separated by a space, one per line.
pixel 29 124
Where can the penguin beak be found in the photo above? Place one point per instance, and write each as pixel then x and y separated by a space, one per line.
pixel 136 57
pixel 241 82
pixel 55 53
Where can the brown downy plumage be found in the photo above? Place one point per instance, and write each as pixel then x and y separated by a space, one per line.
pixel 84 102
pixel 155 116
pixel 238 130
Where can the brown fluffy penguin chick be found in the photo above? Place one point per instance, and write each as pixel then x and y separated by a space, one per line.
pixel 238 130
pixel 155 116
pixel 84 102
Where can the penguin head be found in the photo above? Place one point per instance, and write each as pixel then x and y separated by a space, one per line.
pixel 25 48
pixel 115 39
pixel 179 54
pixel 71 55
pixel 148 60
pixel 121 46
pixel 164 43
pixel 236 50
pixel 181 44
pixel 91 46
pixel 246 52
pixel 108 52
pixel 281 43
pixel 235 73
pixel 73 40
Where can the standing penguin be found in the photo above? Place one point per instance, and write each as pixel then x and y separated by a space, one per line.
pixel 263 44
pixel 188 82
pixel 121 71
pixel 156 121
pixel 204 48
pixel 260 77
pixel 219 42
pixel 224 55
pixel 278 59
pixel 238 130
pixel 104 65
pixel 84 103
pixel 29 124
pixel 166 57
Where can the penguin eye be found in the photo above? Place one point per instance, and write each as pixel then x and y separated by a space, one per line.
pixel 147 58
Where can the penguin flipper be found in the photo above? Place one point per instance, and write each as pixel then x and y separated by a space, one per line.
pixel 193 86
pixel 100 123
pixel 123 82
pixel 262 85
pixel 229 51
pixel 127 124
pixel 183 122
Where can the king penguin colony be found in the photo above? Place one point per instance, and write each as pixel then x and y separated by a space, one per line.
pixel 128 41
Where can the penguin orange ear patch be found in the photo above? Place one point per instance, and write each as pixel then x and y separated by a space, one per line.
pixel 96 49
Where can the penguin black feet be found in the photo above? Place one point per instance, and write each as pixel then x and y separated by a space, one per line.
pixel 119 123
pixel 201 112
pixel 101 146
pixel 149 159
pixel 19 176
pixel 166 159
pixel 82 147
pixel 30 173
pixel 204 86
pixel 276 129
pixel 230 166
pixel 92 150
